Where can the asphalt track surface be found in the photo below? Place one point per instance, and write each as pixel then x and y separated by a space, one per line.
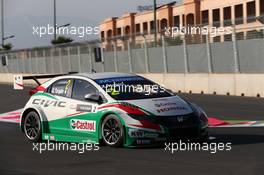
pixel 246 156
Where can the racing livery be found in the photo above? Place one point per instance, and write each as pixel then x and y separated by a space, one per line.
pixel 117 109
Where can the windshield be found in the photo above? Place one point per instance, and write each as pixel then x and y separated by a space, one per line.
pixel 132 88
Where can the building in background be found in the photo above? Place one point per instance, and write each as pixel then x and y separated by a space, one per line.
pixel 244 14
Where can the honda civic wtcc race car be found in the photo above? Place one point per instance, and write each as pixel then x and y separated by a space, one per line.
pixel 118 109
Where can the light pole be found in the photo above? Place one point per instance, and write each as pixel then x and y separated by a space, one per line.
pixel 155 22
pixel 155 8
pixel 2 20
pixel 55 23
pixel 2 25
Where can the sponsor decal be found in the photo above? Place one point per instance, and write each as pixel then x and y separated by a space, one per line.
pixel 158 105
pixel 160 139
pixel 86 108
pixel 143 142
pixel 133 133
pixel 58 91
pixel 118 80
pixel 52 137
pixel 47 103
pixel 166 109
pixel 49 137
pixel 160 99
pixel 136 133
pixel 151 135
pixel 83 125
pixel 168 106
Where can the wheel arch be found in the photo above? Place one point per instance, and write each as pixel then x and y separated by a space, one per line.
pixel 104 116
pixel 24 114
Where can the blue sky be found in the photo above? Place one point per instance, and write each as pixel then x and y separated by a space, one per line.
pixel 22 15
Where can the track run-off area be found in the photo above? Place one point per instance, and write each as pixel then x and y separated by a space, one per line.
pixel 246 156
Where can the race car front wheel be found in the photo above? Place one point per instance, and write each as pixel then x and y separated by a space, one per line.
pixel 32 126
pixel 112 131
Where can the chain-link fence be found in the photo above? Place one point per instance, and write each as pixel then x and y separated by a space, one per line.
pixel 239 51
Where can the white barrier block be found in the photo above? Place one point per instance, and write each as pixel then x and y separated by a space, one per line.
pixel 18 82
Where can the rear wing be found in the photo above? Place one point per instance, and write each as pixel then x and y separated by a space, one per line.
pixel 19 79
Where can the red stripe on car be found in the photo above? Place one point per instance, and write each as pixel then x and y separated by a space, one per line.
pixel 126 108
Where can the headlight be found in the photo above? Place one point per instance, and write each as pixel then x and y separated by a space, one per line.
pixel 199 113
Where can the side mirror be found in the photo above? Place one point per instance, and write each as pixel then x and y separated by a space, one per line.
pixel 92 97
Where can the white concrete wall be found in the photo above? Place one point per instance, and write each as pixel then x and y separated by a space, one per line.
pixel 234 84
pixel 222 84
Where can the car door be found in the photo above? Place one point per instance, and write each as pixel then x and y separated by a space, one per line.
pixel 56 103
pixel 84 120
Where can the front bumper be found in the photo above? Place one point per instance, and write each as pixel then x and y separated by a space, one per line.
pixel 141 137
pixel 166 128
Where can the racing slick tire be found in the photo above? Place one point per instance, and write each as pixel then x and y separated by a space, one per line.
pixel 112 131
pixel 32 127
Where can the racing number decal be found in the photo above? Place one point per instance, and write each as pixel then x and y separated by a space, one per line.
pixel 67 86
pixel 86 108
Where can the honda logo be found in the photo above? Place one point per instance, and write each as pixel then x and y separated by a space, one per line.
pixel 180 119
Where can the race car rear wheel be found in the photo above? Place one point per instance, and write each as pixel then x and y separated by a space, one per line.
pixel 32 127
pixel 112 131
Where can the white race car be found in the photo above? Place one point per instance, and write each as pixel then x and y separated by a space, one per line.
pixel 119 109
